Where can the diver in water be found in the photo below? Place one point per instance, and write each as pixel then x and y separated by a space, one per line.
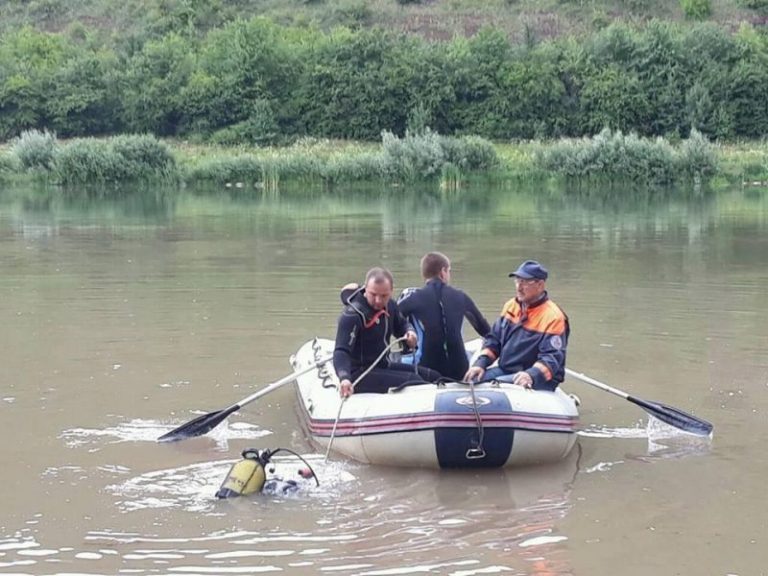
pixel 249 476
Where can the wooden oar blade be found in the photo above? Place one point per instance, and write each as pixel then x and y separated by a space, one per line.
pixel 197 427
pixel 675 417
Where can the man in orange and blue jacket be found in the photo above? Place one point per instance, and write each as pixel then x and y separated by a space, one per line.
pixel 529 339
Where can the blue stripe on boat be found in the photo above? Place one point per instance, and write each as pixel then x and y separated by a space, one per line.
pixel 452 444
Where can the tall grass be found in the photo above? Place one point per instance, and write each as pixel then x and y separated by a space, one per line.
pixel 414 157
pixel 447 162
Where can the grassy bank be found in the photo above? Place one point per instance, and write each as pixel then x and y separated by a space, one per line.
pixel 426 157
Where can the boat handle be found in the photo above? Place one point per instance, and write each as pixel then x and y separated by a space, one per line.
pixel 475 454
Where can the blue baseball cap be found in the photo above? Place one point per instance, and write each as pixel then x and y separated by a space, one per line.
pixel 530 269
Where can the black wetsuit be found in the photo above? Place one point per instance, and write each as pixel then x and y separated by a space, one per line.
pixel 441 309
pixel 362 335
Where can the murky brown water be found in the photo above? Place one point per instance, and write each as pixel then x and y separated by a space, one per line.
pixel 120 320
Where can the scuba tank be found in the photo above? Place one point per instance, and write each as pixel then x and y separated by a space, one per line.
pixel 249 475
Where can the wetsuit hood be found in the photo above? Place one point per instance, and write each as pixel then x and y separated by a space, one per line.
pixel 354 299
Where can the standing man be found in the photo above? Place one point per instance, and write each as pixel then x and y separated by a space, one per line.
pixel 439 310
pixel 366 326
pixel 529 339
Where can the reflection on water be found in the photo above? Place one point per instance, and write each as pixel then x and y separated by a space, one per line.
pixel 158 206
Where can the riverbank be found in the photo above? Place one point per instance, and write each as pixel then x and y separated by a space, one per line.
pixel 423 158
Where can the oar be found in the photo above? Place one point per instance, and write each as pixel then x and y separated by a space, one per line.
pixel 207 422
pixel 672 416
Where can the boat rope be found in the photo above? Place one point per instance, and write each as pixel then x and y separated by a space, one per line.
pixel 363 375
pixel 478 451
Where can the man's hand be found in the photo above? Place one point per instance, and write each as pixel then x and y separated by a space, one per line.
pixel 345 388
pixel 523 379
pixel 474 374
pixel 411 338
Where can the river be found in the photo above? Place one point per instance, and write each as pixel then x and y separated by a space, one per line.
pixel 123 318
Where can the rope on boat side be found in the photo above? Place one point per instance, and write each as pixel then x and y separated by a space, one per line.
pixel 478 451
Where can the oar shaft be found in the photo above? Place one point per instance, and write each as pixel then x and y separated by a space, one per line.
pixel 207 422
pixel 597 383
pixel 290 378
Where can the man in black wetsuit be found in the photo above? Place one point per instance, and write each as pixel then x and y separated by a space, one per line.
pixel 366 325
pixel 440 310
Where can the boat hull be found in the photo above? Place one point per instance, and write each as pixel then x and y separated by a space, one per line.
pixel 487 425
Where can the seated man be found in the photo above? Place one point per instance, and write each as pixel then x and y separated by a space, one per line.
pixel 365 328
pixel 440 310
pixel 529 339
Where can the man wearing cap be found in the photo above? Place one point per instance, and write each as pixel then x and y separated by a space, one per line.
pixel 530 337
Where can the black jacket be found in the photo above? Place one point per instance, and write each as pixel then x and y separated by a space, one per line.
pixel 441 309
pixel 362 335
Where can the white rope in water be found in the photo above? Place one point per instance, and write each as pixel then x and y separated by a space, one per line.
pixel 344 399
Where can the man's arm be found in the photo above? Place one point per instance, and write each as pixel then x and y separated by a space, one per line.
pixel 475 318
pixel 489 353
pixel 401 326
pixel 491 345
pixel 347 333
pixel 551 358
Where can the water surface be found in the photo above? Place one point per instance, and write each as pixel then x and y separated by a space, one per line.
pixel 122 319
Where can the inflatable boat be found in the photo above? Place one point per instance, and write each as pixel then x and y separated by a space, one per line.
pixel 447 425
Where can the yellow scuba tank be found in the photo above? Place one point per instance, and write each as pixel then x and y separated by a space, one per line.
pixel 246 476
pixel 249 475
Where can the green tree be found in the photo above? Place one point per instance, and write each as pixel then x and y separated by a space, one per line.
pixel 28 60
pixel 356 85
pixel 245 69
pixel 83 99
pixel 153 86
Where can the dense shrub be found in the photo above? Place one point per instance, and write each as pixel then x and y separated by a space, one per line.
pixel 259 129
pixel 755 4
pixel 9 164
pixel 143 156
pixel 618 157
pixel 697 157
pixel 426 154
pixel 469 153
pixel 89 160
pixel 413 157
pixel 696 9
pixel 35 150
pixel 123 158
